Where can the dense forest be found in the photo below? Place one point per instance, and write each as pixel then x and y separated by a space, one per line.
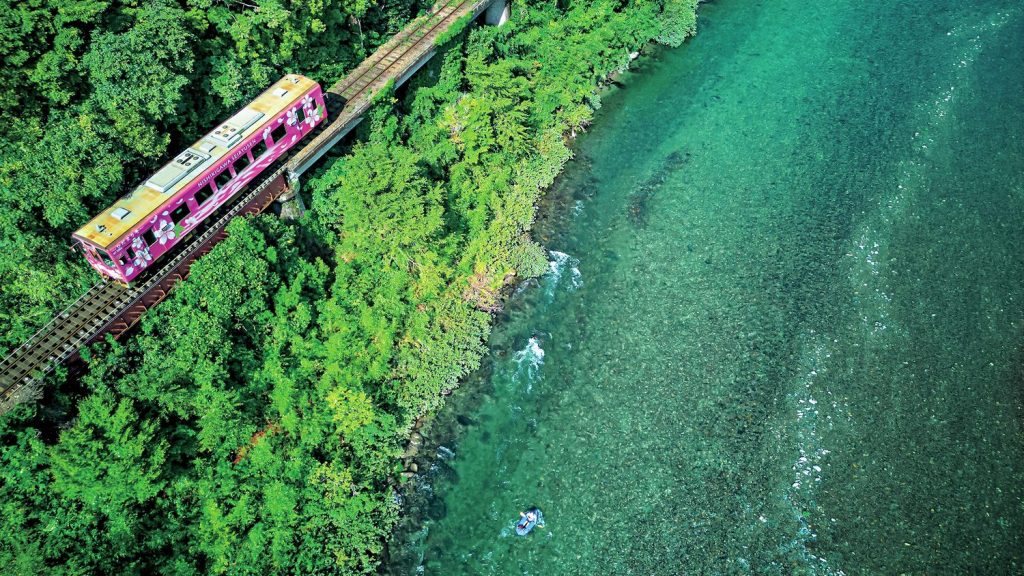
pixel 254 422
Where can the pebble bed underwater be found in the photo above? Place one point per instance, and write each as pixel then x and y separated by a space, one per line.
pixel 783 323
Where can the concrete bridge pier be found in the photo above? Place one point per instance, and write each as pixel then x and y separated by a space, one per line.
pixel 497 13
pixel 290 201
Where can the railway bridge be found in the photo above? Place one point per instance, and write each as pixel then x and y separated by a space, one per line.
pixel 111 308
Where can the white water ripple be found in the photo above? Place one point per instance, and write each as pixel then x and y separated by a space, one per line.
pixel 815 406
pixel 559 263
pixel 528 362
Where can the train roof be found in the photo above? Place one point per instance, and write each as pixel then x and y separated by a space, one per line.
pixel 124 215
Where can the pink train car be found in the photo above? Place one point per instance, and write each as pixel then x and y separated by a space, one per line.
pixel 129 236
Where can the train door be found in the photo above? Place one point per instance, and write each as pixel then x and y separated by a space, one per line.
pixel 107 265
pixel 90 255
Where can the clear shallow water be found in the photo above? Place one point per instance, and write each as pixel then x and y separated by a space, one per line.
pixel 783 328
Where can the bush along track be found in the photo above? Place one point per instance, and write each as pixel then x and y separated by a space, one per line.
pixel 255 423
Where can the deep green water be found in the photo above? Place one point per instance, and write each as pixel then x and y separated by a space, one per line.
pixel 783 329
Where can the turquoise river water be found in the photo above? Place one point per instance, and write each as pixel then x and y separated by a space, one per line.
pixel 782 332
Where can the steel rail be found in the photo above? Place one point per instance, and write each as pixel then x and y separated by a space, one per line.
pixel 408 48
pixel 100 306
pixel 378 55
pixel 330 135
pixel 94 312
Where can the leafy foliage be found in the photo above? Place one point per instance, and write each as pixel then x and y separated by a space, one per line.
pixel 96 92
pixel 255 422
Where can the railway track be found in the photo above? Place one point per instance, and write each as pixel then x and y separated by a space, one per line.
pixel 401 53
pixel 107 306
pixel 360 79
pixel 56 341
pixel 110 307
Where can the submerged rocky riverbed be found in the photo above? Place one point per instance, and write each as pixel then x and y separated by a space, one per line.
pixel 782 328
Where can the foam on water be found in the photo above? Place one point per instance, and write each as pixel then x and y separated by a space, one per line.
pixel 527 364
pixel 558 265
pixel 815 406
pixel 776 364
pixel 445 453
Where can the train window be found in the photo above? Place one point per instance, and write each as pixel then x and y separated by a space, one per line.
pixel 179 213
pixel 242 163
pixel 105 257
pixel 259 149
pixel 222 179
pixel 129 253
pixel 204 194
pixel 279 133
pixel 149 237
pixel 301 114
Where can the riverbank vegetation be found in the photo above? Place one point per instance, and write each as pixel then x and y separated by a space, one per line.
pixel 255 422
